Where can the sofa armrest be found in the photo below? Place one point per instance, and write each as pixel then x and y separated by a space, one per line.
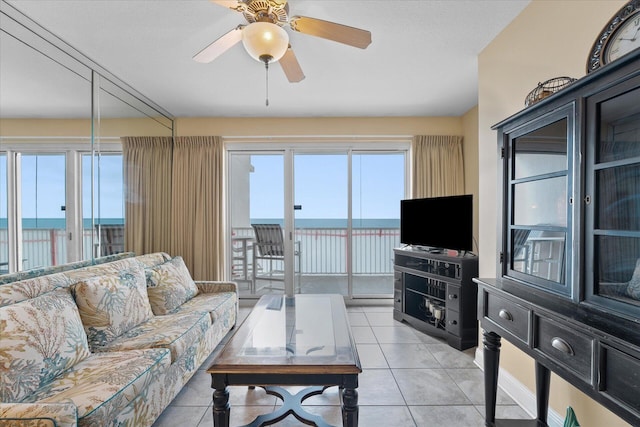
pixel 39 414
pixel 209 287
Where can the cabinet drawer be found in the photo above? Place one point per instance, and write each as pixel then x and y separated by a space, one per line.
pixel 397 280
pixel 620 377
pixel 510 316
pixel 454 295
pixel 397 299
pixel 564 346
pixel 452 321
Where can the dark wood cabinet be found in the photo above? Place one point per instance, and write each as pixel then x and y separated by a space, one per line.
pixel 567 286
pixel 435 293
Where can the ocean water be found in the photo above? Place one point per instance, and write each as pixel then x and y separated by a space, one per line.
pixel 315 223
pixel 59 223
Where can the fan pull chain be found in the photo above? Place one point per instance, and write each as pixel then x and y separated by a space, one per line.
pixel 266 70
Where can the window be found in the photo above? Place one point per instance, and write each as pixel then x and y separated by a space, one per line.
pixel 538 201
pixel 339 205
pixel 107 213
pixel 55 223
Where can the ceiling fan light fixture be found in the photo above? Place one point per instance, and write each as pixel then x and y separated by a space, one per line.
pixel 264 41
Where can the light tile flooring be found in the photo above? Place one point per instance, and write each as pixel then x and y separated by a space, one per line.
pixel 409 379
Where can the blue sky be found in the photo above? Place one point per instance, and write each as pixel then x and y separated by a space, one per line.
pixel 43 186
pixel 321 185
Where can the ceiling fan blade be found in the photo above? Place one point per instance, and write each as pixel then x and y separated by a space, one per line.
pixel 291 67
pixel 219 46
pixel 237 5
pixel 331 31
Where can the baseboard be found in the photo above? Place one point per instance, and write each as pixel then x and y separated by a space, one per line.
pixel 519 393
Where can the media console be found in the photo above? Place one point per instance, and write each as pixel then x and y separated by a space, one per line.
pixel 435 293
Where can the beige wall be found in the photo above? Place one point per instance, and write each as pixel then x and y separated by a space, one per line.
pixel 470 152
pixel 548 39
pixel 80 128
pixel 320 126
pixel 45 128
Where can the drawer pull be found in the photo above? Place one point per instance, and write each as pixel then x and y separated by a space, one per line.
pixel 561 345
pixel 453 296
pixel 504 314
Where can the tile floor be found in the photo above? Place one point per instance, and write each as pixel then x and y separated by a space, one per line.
pixel 409 379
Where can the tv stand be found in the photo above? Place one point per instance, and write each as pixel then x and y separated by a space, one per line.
pixel 434 293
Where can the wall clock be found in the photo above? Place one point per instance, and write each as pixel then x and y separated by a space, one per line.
pixel 620 36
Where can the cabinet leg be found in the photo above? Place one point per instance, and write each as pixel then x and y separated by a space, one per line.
pixel 543 378
pixel 491 352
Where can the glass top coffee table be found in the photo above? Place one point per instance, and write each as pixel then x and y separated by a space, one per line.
pixel 290 341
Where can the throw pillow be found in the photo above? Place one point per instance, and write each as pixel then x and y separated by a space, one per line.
pixel 169 286
pixel 112 304
pixel 633 286
pixel 42 338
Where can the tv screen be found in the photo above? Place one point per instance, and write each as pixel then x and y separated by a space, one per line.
pixel 438 222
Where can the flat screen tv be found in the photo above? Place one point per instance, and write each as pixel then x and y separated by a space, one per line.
pixel 437 223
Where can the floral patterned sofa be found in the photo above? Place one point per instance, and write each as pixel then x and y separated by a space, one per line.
pixel 106 344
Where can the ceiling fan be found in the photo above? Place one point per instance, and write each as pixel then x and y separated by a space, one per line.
pixel 265 39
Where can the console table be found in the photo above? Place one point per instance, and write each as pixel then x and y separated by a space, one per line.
pixel 600 365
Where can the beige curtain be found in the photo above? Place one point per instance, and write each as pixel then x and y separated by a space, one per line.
pixel 197 205
pixel 438 166
pixel 147 180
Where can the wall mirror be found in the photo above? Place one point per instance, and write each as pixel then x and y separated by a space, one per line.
pixel 61 120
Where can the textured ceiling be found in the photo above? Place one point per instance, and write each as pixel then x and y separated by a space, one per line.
pixel 422 61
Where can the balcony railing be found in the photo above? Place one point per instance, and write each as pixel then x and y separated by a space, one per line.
pixel 323 251
pixel 43 247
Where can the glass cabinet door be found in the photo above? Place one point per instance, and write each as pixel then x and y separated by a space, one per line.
pixel 613 216
pixel 538 226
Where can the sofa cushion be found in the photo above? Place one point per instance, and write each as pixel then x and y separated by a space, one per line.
pixel 169 286
pixel 11 293
pixel 217 305
pixel 177 332
pixel 113 267
pixel 104 384
pixel 41 339
pixel 155 258
pixel 38 414
pixel 112 304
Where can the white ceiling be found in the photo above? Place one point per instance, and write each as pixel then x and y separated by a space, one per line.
pixel 422 61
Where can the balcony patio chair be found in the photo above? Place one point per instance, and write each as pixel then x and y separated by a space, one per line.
pixel 268 250
pixel 111 239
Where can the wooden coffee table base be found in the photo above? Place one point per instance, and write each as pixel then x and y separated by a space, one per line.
pixel 291 403
pixel 303 340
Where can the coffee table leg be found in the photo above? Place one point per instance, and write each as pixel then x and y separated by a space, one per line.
pixel 350 404
pixel 221 408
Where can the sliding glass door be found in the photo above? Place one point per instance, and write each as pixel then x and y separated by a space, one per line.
pixel 43 208
pixel 329 219
pixel 46 211
pixel 4 216
pixel 256 200
pixel 321 212
pixel 378 185
pixel 105 219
